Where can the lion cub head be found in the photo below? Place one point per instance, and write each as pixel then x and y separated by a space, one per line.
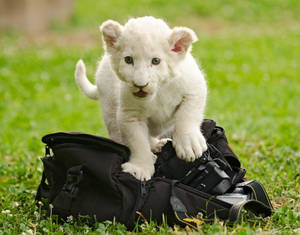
pixel 145 52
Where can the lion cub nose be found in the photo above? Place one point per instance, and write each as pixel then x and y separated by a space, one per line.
pixel 139 86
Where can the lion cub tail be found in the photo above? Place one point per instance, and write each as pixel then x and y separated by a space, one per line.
pixel 84 84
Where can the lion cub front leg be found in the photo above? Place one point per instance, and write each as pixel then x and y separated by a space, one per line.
pixel 141 162
pixel 188 140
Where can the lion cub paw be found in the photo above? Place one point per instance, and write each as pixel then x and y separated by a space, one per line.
pixel 142 172
pixel 189 146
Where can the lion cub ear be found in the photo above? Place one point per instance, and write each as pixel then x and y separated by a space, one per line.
pixel 181 39
pixel 111 31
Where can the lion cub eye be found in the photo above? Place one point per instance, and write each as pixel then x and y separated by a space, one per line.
pixel 155 61
pixel 128 60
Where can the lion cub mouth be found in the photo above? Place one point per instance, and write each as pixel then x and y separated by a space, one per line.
pixel 141 94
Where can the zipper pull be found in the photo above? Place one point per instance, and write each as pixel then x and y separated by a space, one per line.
pixel 143 189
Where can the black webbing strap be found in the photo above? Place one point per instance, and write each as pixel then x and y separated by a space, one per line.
pixel 258 191
pixel 259 204
pixel 257 207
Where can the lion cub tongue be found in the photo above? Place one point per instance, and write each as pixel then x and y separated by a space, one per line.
pixel 141 94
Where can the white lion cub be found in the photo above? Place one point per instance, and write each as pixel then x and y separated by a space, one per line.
pixel 148 83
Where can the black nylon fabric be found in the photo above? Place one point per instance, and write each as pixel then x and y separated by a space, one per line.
pixel 195 202
pixel 99 191
pixel 170 166
pixel 83 176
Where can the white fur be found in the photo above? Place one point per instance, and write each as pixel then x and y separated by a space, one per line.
pixel 177 87
pixel 82 81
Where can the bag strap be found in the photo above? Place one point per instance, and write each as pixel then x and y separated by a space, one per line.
pixel 258 191
pixel 257 207
pixel 260 203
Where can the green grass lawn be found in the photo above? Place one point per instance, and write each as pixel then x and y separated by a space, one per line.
pixel 250 52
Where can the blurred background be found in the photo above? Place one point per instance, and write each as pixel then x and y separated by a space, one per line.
pixel 42 15
pixel 33 16
pixel 249 51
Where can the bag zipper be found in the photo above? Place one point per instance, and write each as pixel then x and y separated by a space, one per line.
pixel 140 199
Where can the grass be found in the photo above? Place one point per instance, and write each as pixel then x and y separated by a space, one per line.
pixel 250 54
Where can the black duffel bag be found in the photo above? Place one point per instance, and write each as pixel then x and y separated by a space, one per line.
pixel 83 176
